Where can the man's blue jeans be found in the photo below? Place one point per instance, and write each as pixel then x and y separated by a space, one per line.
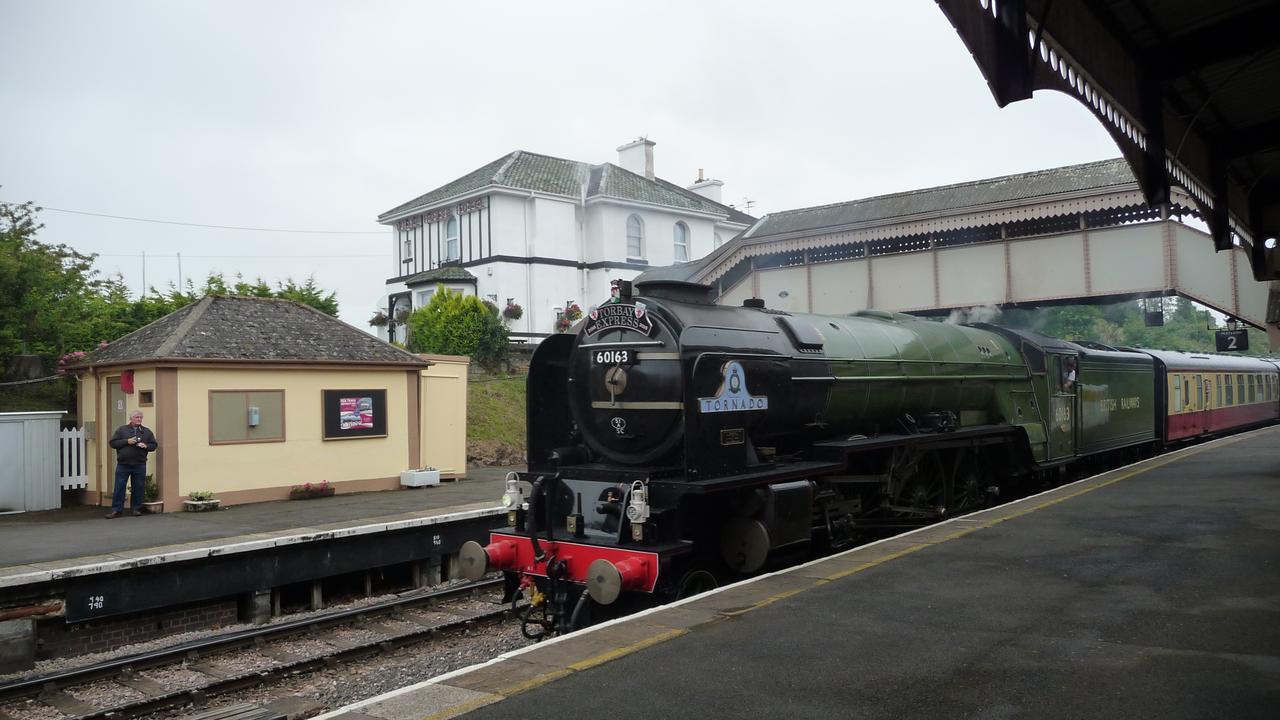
pixel 125 473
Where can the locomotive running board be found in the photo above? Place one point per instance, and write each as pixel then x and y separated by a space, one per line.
pixel 832 450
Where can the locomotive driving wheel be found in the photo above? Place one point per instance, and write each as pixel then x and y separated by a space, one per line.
pixel 918 487
pixel 695 581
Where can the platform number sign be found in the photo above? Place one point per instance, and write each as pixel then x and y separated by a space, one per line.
pixel 1232 340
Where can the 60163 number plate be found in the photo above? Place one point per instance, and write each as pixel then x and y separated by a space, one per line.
pixel 613 357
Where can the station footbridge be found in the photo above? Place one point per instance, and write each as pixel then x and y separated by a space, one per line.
pixel 1070 234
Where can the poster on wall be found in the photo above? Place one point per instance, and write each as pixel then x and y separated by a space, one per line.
pixel 355 414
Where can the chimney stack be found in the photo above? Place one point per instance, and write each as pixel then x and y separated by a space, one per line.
pixel 707 187
pixel 637 156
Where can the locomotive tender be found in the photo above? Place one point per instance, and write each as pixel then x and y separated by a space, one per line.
pixel 673 442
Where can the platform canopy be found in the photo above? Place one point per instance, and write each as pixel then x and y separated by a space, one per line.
pixel 1189 90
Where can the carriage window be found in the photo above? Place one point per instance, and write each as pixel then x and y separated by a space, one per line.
pixel 1187 397
pixel 1199 393
pixel 1231 393
pixel 1219 384
pixel 1177 395
pixel 1252 395
pixel 1240 389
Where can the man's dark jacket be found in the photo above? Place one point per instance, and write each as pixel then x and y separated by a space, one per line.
pixel 127 454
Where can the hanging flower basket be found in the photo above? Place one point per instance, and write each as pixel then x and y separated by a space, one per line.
pixel 512 311
pixel 379 319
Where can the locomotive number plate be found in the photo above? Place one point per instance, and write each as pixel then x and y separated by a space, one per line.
pixel 614 357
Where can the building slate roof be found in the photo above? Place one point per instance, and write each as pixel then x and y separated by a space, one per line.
pixel 444 273
pixel 523 170
pixel 1008 188
pixel 1039 185
pixel 235 328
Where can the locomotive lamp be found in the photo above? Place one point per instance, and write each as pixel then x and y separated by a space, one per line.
pixel 638 509
pixel 513 499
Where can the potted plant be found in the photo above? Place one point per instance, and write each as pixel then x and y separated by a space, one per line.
pixel 512 311
pixel 306 491
pixel 151 497
pixel 420 477
pixel 200 501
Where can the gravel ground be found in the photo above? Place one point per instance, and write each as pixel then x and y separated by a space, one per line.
pixel 104 693
pixel 45 667
pixel 365 678
pixel 177 677
pixel 30 710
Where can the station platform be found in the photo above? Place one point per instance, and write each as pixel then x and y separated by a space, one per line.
pixel 55 545
pixel 1148 591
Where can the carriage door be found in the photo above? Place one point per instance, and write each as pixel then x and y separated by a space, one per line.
pixel 1202 404
pixel 1062 406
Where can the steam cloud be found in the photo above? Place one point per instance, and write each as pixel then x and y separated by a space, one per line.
pixel 978 314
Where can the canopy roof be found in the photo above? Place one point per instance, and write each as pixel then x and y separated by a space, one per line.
pixel 1186 88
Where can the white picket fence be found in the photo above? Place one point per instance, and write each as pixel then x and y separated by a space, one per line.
pixel 73 461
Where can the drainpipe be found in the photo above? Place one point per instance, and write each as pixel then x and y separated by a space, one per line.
pixel 582 245
pixel 528 272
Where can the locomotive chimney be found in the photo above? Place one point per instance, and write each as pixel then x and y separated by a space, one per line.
pixel 637 156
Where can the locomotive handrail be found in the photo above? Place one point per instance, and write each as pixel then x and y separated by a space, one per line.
pixel 628 343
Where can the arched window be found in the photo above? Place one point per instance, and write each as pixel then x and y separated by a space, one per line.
pixel 635 238
pixel 452 247
pixel 681 246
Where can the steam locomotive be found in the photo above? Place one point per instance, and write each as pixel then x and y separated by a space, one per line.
pixel 674 443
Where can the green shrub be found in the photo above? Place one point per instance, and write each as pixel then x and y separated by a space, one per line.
pixel 457 324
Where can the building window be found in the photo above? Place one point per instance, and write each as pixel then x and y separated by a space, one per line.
pixel 146 398
pixel 246 416
pixel 452 247
pixel 635 238
pixel 406 253
pixel 424 297
pixel 681 245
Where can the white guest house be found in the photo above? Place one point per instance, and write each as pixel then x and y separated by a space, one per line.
pixel 543 232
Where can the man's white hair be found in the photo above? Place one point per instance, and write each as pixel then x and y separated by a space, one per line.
pixel 135 413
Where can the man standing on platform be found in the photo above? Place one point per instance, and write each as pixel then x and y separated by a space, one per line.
pixel 132 443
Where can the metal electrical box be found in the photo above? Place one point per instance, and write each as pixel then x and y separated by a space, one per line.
pixel 255 416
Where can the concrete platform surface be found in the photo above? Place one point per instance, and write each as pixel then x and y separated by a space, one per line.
pixel 1152 591
pixel 35 545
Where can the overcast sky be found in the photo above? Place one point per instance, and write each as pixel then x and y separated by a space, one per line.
pixel 321 115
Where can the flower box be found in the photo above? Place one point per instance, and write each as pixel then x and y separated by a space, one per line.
pixel 420 478
pixel 154 507
pixel 200 505
pixel 300 493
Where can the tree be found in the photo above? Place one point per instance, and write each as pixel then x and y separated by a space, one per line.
pixel 457 324
pixel 45 290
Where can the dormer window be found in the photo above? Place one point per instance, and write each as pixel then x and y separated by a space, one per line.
pixel 452 244
pixel 680 248
pixel 406 253
pixel 635 238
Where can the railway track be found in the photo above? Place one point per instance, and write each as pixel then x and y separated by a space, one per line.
pixel 201 656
